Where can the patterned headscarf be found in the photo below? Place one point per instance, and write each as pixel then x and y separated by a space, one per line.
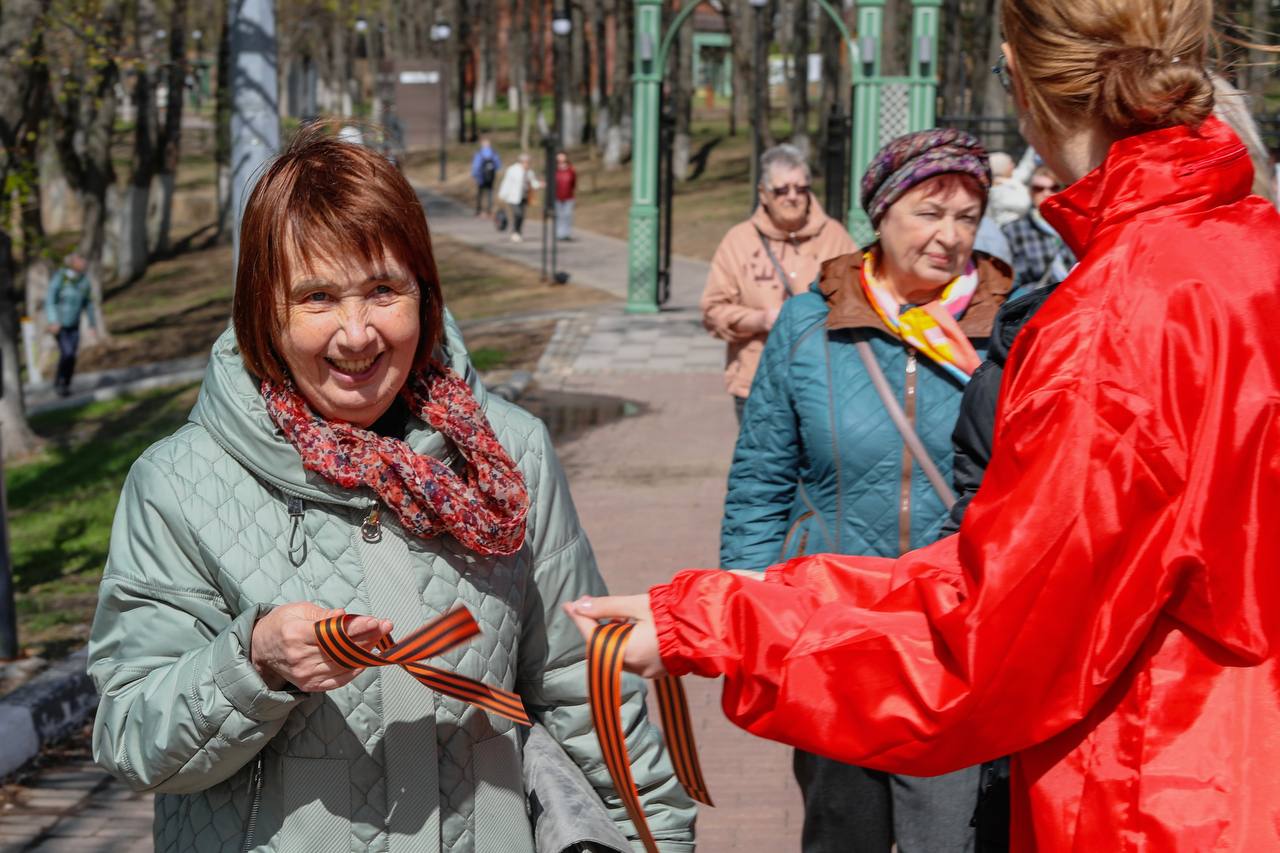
pixel 916 157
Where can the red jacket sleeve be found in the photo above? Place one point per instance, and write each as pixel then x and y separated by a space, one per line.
pixel 975 647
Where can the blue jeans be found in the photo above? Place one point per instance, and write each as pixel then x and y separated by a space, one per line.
pixel 68 346
pixel 564 219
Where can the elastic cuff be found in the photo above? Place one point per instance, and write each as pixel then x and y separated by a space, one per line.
pixel 238 678
pixel 664 623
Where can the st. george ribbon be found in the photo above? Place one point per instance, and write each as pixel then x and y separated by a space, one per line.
pixel 604 680
pixel 437 636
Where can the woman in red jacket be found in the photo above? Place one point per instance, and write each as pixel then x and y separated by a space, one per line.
pixel 1109 612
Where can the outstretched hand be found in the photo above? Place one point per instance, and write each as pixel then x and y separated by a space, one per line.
pixel 641 653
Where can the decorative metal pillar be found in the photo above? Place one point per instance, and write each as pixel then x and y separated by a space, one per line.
pixel 885 107
pixel 924 63
pixel 642 242
pixel 866 112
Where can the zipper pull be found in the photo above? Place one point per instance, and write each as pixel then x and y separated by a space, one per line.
pixel 297 536
pixel 911 361
pixel 371 530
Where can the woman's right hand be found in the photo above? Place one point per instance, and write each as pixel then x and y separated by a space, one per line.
pixel 284 648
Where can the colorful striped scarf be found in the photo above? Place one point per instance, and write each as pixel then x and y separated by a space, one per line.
pixel 930 328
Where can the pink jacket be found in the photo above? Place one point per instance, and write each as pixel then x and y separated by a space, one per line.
pixel 743 288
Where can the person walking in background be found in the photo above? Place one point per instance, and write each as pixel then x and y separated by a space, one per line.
pixel 518 185
pixel 70 296
pixel 821 467
pixel 1009 199
pixel 566 187
pixel 1109 612
pixel 762 262
pixel 485 165
pixel 1040 257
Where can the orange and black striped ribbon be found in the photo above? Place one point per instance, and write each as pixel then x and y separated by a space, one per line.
pixel 437 636
pixel 604 674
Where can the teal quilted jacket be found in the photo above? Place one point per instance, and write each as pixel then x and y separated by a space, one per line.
pixel 819 467
pixel 219 522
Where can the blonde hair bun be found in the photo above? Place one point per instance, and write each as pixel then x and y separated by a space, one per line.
pixel 1136 65
pixel 1143 88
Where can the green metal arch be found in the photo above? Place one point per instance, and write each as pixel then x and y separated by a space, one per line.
pixel 687 11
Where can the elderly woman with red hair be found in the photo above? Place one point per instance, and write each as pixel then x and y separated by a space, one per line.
pixel 343 459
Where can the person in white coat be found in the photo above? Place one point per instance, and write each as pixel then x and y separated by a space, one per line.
pixel 518 183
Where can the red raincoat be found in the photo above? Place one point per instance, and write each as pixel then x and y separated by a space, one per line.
pixel 1110 611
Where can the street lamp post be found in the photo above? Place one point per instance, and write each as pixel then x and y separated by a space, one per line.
pixel 439 34
pixel 759 120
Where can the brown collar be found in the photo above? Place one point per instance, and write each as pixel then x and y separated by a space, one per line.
pixel 848 308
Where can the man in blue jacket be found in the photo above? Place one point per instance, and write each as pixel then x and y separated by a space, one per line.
pixel 69 296
pixel 485 166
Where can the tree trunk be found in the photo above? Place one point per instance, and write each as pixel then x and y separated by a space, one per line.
pixel 742 35
pixel 617 140
pixel 21 92
pixel 16 435
pixel 832 92
pixel 524 41
pixel 84 143
pixel 222 127
pixel 681 94
pixel 1261 63
pixel 128 213
pixel 168 146
pixel 799 82
pixel 995 99
pixel 954 79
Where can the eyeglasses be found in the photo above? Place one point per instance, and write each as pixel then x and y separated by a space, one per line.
pixel 1047 188
pixel 786 189
pixel 1001 70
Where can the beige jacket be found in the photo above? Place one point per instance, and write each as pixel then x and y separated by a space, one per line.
pixel 743 290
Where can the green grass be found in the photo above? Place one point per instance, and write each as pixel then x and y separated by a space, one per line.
pixel 488 358
pixel 61 504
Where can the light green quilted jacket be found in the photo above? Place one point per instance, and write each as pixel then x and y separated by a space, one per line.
pixel 219 522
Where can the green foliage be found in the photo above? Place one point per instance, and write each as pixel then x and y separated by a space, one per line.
pixel 62 502
pixel 488 358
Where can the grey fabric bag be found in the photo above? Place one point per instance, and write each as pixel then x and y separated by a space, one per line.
pixel 567 814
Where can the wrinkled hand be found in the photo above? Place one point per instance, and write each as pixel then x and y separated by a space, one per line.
pixel 284 648
pixel 641 653
pixel 54 328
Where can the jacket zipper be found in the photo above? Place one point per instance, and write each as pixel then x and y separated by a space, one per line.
pixel 909 409
pixel 371 529
pixel 255 786
pixel 792 532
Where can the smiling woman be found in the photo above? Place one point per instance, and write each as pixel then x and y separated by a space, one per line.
pixel 344 459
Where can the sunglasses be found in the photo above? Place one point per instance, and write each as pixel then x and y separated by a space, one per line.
pixel 787 189
pixel 1001 70
pixel 1047 188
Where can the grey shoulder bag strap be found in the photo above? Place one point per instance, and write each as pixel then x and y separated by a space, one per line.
pixel 782 274
pixel 899 419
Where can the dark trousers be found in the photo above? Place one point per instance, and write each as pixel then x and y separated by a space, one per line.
pixel 739 404
pixel 484 198
pixel 851 809
pixel 68 346
pixel 517 216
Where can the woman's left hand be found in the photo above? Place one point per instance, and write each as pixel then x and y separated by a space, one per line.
pixel 641 653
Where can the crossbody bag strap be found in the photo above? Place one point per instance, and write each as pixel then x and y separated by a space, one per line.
pixel 899 418
pixel 782 274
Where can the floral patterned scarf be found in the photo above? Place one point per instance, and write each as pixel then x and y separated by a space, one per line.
pixel 930 328
pixel 484 509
